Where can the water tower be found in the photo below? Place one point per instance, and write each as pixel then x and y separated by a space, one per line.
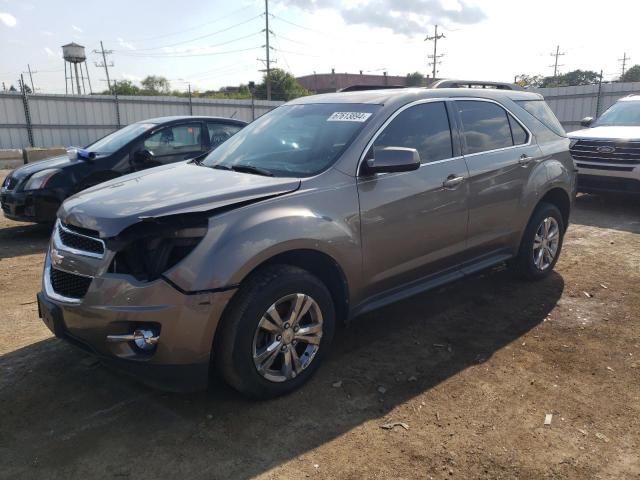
pixel 74 55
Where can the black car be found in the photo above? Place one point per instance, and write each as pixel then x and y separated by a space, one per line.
pixel 34 192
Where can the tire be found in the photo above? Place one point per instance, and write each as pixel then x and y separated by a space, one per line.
pixel 247 329
pixel 527 264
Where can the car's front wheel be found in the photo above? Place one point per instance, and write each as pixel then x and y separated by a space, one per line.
pixel 276 331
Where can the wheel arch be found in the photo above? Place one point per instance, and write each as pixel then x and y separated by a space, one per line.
pixel 320 264
pixel 560 198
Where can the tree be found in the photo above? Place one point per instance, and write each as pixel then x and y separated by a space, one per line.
pixel 631 75
pixel 123 87
pixel 525 80
pixel 576 77
pixel 415 79
pixel 155 85
pixel 284 86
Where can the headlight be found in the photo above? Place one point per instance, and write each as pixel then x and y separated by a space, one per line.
pixel 149 256
pixel 39 180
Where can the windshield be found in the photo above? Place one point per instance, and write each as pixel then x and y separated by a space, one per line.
pixel 620 114
pixel 293 140
pixel 119 138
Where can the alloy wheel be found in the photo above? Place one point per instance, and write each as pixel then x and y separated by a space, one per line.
pixel 545 243
pixel 287 337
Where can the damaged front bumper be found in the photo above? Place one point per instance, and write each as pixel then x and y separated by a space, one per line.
pixel 117 304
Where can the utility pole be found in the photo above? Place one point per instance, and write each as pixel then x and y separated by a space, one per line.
pixel 33 89
pixel 435 55
pixel 104 62
pixel 555 65
pixel 266 31
pixel 624 64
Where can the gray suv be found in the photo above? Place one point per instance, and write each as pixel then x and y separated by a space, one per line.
pixel 327 207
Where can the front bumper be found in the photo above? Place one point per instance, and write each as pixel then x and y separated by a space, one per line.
pixel 118 304
pixel 30 206
pixel 608 181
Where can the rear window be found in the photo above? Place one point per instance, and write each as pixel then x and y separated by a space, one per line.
pixel 540 110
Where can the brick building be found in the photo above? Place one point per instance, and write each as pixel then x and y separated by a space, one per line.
pixel 332 82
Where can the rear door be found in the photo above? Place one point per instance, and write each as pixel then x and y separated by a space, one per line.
pixel 414 223
pixel 500 154
pixel 176 142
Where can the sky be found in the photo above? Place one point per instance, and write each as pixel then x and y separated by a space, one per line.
pixel 216 43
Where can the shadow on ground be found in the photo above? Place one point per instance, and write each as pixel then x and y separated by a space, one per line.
pixel 62 418
pixel 619 212
pixel 23 239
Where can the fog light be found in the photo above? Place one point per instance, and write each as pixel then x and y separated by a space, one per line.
pixel 144 339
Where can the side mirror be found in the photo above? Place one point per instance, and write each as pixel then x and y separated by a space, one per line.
pixel 587 121
pixel 392 159
pixel 143 156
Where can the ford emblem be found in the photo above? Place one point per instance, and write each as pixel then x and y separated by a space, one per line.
pixel 606 149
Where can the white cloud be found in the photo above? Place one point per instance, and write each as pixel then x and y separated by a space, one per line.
pixel 76 28
pixel 124 44
pixel 407 17
pixel 8 19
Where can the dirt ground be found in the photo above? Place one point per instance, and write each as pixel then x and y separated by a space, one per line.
pixel 471 370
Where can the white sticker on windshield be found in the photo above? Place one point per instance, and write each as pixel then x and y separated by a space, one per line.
pixel 348 117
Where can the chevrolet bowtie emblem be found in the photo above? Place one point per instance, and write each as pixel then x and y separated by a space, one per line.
pixel 56 257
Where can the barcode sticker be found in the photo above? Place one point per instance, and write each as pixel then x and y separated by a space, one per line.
pixel 348 117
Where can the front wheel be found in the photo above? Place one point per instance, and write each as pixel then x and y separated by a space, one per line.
pixel 276 332
pixel 541 243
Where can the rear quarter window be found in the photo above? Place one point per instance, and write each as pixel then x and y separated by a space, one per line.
pixel 541 111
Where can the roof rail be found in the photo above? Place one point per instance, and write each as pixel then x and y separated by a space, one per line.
pixel 474 84
pixel 359 88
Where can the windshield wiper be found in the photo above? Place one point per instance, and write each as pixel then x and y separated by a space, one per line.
pixel 245 169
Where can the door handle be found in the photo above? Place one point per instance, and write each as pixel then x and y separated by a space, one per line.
pixel 525 160
pixel 452 182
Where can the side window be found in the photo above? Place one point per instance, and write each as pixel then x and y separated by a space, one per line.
pixel 174 140
pixel 485 126
pixel 424 127
pixel 518 133
pixel 219 132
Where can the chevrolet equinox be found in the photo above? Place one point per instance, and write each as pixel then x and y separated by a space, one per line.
pixel 326 207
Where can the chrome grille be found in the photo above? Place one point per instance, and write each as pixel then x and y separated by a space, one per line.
pixel 610 154
pixel 80 242
pixel 69 285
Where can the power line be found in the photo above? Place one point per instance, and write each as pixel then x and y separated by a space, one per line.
pixel 164 35
pixel 196 38
pixel 189 55
pixel 435 55
pixel 555 65
pixel 624 63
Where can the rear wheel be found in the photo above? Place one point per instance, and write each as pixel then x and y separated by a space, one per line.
pixel 541 243
pixel 276 332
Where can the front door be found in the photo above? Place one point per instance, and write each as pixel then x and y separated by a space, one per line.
pixel 175 143
pixel 414 223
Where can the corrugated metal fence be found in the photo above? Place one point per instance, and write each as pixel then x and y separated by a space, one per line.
pixel 572 104
pixel 44 120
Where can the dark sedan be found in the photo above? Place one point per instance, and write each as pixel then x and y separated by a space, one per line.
pixel 34 192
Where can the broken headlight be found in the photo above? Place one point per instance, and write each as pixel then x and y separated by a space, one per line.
pixel 147 257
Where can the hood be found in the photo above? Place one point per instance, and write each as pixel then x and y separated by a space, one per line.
pixel 29 169
pixel 607 133
pixel 173 189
